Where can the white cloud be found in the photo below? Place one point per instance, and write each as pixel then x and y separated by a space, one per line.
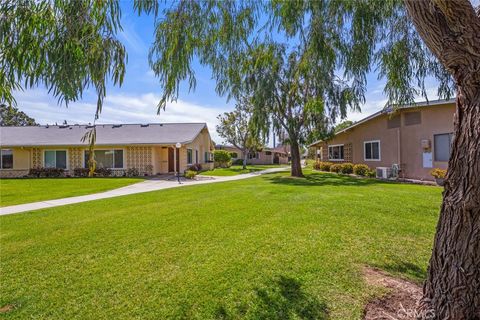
pixel 117 108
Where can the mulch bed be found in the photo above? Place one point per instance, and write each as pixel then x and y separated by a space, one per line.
pixel 401 301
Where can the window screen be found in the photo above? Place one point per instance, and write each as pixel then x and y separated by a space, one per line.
pixel 442 146
pixel 7 159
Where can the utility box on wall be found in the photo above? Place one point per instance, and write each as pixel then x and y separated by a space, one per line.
pixel 426 145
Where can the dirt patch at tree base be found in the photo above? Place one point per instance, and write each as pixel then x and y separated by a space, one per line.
pixel 401 301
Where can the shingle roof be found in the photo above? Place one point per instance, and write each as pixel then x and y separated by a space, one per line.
pixel 389 109
pixel 107 134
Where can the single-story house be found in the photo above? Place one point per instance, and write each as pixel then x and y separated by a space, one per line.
pixel 412 138
pixel 278 155
pixel 154 148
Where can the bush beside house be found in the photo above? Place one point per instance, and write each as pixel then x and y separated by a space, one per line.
pixel 345 168
pixel 222 159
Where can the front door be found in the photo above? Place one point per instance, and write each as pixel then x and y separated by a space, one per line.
pixel 171 160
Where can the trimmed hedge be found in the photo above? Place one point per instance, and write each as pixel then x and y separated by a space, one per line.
pixel 322 166
pixel 360 169
pixel 222 158
pixel 46 172
pixel 347 168
pixel 337 168
pixel 190 174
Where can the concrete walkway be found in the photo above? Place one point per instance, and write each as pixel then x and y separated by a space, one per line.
pixel 144 186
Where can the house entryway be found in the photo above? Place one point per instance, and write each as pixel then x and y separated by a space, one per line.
pixel 171 159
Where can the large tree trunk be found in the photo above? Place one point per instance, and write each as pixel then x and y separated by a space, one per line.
pixel 296 161
pixel 451 29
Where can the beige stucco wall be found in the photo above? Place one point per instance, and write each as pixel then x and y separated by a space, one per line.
pixel 142 157
pixel 397 145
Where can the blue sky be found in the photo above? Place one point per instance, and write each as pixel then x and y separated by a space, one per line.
pixel 136 100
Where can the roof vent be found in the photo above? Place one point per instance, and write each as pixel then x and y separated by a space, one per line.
pixel 64 126
pixel 144 125
pixel 117 126
pixel 89 126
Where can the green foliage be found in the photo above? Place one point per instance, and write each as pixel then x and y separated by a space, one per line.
pixel 361 169
pixel 132 172
pixel 322 166
pixel 236 129
pixel 337 168
pixel 46 172
pixel 11 116
pixel 190 174
pixel 343 125
pixel 222 158
pixel 67 46
pixel 371 173
pixel 347 168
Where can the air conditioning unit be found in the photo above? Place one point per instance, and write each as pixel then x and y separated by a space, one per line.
pixel 384 172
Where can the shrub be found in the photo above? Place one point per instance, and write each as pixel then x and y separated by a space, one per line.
pixel 133 172
pixel 46 172
pixel 238 162
pixel 195 167
pixel 323 166
pixel 347 168
pixel 190 174
pixel 336 167
pixel 81 172
pixel 222 158
pixel 103 172
pixel 360 169
pixel 438 173
pixel 310 163
pixel 149 169
pixel 371 173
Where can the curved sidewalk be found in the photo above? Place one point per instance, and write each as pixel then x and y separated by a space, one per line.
pixel 141 187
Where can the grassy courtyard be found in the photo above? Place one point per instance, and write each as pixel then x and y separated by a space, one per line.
pixel 235 170
pixel 269 247
pixel 18 191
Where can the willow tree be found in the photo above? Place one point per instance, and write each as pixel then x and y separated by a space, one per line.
pixel 406 43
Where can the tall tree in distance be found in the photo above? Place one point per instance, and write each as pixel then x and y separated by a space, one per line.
pixel 235 127
pixel 11 116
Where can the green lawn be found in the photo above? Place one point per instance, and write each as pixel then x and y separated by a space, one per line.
pixel 17 191
pixel 235 170
pixel 269 247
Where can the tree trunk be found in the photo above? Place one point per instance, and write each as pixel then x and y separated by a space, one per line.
pixel 451 29
pixel 296 161
pixel 244 155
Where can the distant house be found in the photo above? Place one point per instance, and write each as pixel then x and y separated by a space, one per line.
pixel 150 148
pixel 278 155
pixel 415 137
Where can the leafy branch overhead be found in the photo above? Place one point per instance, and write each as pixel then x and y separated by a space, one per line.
pixel 67 46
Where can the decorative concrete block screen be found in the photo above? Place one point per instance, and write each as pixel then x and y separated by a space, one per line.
pixel 140 158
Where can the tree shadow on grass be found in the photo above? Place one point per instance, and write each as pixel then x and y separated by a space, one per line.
pixel 324 179
pixel 403 267
pixel 283 299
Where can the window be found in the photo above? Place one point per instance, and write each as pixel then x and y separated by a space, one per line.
pixel 335 152
pixel 189 156
pixel 234 155
pixel 442 146
pixel 196 156
pixel 393 122
pixel 412 118
pixel 371 150
pixel 111 159
pixel 268 153
pixel 55 159
pixel 253 155
pixel 6 159
pixel 207 156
